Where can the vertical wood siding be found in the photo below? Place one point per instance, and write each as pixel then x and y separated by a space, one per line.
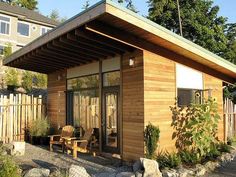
pixel 57 99
pixel 133 108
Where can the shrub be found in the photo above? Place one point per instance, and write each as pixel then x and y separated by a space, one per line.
pixel 196 127
pixel 39 127
pixel 8 167
pixel 170 160
pixel 151 137
pixel 222 147
pixel 189 157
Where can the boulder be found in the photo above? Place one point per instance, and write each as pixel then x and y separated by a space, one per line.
pixel 151 168
pixel 76 171
pixel 18 148
pixel 169 173
pixel 200 170
pixel 37 172
pixel 137 166
pixel 105 175
pixel 125 174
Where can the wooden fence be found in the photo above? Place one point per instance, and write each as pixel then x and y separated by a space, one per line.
pixel 16 112
pixel 230 117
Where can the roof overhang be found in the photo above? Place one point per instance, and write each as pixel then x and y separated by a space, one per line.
pixel 110 29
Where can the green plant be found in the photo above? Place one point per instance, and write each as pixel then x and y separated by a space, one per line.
pixel 151 137
pixel 189 157
pixel 39 127
pixel 170 160
pixel 196 127
pixel 213 153
pixel 8 168
pixel 222 147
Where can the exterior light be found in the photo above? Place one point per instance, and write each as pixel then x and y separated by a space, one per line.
pixel 131 61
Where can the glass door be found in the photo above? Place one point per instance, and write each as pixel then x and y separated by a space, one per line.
pixel 110 120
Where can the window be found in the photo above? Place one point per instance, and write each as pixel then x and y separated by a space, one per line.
pixel 23 29
pixel 1 50
pixel 111 79
pixel 44 30
pixel 4 25
pixel 83 101
pixel 188 96
pixel 189 84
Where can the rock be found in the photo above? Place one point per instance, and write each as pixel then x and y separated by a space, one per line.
pixel 8 148
pixel 37 172
pixel 105 175
pixel 137 166
pixel 211 166
pixel 139 174
pixel 18 148
pixel 183 172
pixel 56 173
pixel 125 174
pixel 169 173
pixel 200 170
pixel 76 171
pixel 151 168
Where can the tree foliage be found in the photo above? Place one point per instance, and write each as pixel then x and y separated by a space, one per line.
pixel 86 5
pixel 12 77
pixel 54 15
pixel 28 4
pixel 196 127
pixel 200 24
pixel 128 4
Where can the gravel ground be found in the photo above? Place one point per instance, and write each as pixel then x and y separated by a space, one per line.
pixel 36 156
pixel 229 170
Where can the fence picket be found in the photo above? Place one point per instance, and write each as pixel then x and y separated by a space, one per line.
pixel 16 112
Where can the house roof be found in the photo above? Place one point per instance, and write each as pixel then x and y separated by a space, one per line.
pixel 26 14
pixel 109 20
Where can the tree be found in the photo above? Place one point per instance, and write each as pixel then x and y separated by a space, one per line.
pixel 230 52
pixel 12 77
pixel 128 4
pixel 54 15
pixel 29 4
pixel 27 80
pixel 200 21
pixel 86 5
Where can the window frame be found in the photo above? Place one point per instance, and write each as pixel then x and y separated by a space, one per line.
pixel 6 16
pixel 23 22
pixel 47 28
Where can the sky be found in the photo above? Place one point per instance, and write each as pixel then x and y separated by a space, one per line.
pixel 69 8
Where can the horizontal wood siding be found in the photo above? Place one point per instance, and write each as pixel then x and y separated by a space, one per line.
pixel 57 99
pixel 133 108
pixel 159 95
pixel 216 85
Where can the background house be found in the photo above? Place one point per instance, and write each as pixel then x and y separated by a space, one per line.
pixel 19 26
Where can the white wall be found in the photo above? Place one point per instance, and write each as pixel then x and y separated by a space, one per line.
pixel 188 78
pixel 93 68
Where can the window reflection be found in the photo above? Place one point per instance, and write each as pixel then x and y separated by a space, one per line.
pixel 83 82
pixel 111 78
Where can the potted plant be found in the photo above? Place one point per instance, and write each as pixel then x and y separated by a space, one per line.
pixel 38 131
pixel 44 131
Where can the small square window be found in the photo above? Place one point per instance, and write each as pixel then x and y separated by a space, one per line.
pixel 188 96
pixel 23 29
pixel 44 30
pixel 4 25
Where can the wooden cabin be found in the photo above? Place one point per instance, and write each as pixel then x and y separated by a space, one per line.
pixel 111 69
